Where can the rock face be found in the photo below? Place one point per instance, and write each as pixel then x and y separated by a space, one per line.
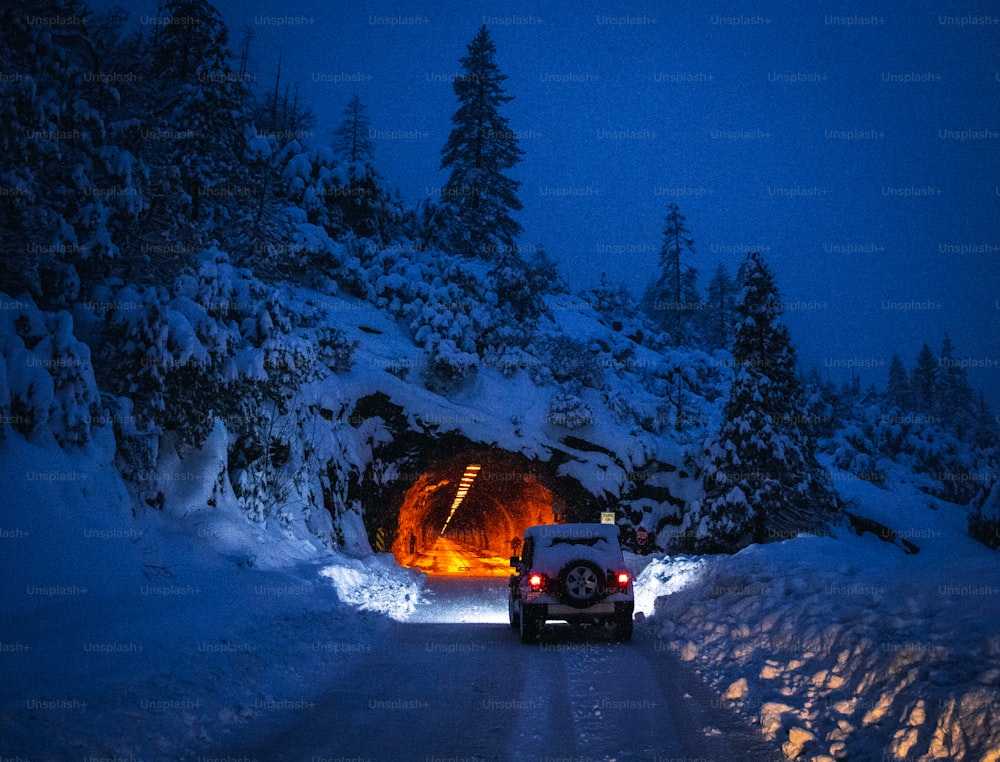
pixel 406 491
pixel 410 483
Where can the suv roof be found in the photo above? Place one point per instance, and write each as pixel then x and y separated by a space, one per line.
pixel 544 535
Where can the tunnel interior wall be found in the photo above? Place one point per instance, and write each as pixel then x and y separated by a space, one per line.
pixel 505 498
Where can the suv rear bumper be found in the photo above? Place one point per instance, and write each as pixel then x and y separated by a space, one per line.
pixel 560 611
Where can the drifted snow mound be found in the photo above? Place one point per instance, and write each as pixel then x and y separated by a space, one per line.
pixel 376 583
pixel 845 648
pixel 663 577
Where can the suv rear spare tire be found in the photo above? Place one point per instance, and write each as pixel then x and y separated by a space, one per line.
pixel 580 583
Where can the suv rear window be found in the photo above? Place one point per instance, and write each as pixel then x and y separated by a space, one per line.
pixel 589 541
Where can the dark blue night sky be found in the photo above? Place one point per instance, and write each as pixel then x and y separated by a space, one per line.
pixel 857 147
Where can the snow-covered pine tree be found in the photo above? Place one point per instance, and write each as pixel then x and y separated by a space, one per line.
pixel 68 188
pixel 612 300
pixel 31 102
pixel 360 199
pixel 672 301
pixel 200 141
pixel 365 207
pixel 280 122
pixel 479 150
pixel 762 482
pixel 520 286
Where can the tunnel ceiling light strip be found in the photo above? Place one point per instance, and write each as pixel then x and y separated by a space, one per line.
pixel 471 472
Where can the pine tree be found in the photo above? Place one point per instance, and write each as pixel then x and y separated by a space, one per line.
pixel 479 150
pixel 33 97
pixel 673 299
pixel 899 390
pixel 202 120
pixel 68 187
pixel 362 201
pixel 720 318
pixel 763 481
pixel 955 401
pixel 924 379
pixel 352 139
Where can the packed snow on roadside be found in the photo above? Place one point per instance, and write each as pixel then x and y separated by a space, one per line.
pixel 844 647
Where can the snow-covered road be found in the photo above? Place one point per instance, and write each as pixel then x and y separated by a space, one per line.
pixel 454 682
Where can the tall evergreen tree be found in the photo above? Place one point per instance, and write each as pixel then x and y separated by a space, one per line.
pixel 200 138
pixel 480 150
pixel 364 205
pixel 955 401
pixel 763 481
pixel 352 139
pixel 720 318
pixel 899 390
pixel 69 187
pixel 924 379
pixel 673 299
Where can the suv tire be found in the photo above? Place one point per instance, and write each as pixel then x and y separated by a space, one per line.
pixel 580 583
pixel 623 627
pixel 529 625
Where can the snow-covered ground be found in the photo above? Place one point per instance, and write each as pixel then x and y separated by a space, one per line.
pixel 845 647
pixel 153 637
pixel 150 638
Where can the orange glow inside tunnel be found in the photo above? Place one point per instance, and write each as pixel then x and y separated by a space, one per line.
pixel 459 518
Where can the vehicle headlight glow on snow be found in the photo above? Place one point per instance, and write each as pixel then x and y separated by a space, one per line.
pixel 465 600
pixel 665 576
pixel 471 472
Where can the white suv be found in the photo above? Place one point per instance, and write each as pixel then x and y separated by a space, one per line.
pixel 573 573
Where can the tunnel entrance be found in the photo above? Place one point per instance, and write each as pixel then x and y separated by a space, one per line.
pixel 460 514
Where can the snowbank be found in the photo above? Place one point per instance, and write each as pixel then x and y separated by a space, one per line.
pixel 845 647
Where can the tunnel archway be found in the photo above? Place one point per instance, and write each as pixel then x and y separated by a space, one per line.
pixel 460 515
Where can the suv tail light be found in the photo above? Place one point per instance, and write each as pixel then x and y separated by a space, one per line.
pixel 536 581
pixel 622 578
